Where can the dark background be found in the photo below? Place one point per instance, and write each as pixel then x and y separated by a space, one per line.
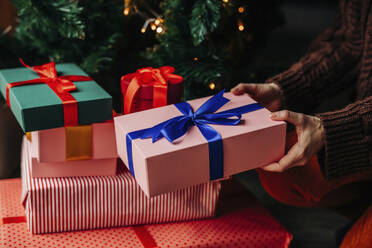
pixel 304 20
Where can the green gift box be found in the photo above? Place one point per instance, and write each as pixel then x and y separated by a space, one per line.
pixel 37 106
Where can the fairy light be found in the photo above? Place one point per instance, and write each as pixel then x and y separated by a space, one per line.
pixel 212 86
pixel 196 59
pixel 240 26
pixel 127 5
pixel 241 9
pixel 126 11
pixel 146 24
pixel 159 29
pixel 154 20
pixel 225 1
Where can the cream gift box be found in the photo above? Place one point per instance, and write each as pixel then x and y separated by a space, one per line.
pixel 88 150
pixel 164 166
pixel 95 141
pixel 82 168
pixel 91 202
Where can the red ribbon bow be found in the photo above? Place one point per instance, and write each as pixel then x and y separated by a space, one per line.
pixel 158 78
pixel 61 85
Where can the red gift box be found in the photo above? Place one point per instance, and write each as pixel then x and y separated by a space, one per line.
pixel 149 88
pixel 251 226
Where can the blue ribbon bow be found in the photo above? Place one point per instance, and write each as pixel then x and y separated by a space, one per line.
pixel 176 127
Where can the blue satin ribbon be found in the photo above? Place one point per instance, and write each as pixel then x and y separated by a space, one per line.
pixel 176 127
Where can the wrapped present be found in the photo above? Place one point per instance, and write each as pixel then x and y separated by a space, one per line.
pixel 95 141
pixel 251 226
pixel 150 88
pixel 80 203
pixel 240 137
pixel 51 96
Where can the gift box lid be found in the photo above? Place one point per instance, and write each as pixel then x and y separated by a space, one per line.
pixel 251 122
pixel 37 107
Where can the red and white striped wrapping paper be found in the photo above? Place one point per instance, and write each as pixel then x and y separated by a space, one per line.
pixel 251 226
pixel 80 203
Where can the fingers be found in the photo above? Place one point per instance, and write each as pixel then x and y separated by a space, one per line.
pixel 309 134
pixel 244 88
pixel 289 116
pixel 295 156
pixel 273 167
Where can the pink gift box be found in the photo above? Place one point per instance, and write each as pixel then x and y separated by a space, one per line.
pixel 50 145
pixel 81 203
pixel 252 226
pixel 163 167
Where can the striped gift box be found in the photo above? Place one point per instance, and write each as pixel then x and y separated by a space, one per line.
pixel 245 224
pixel 81 203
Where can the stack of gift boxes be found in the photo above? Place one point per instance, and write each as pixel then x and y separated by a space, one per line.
pixel 84 167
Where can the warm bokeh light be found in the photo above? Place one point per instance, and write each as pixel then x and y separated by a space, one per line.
pixel 126 11
pixel 241 9
pixel 240 25
pixel 212 86
pixel 153 26
pixel 160 30
pixel 196 59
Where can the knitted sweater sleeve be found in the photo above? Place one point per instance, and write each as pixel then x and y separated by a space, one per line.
pixel 330 67
pixel 348 139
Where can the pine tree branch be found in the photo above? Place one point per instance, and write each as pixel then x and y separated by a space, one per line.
pixel 62 16
pixel 205 16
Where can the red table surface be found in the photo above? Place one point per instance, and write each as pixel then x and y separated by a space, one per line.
pixel 251 226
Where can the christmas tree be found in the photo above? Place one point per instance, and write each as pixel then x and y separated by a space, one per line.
pixel 211 43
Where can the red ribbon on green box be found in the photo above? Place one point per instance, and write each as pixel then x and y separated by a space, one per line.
pixel 61 86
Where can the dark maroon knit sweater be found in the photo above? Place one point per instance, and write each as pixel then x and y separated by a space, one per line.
pixel 341 56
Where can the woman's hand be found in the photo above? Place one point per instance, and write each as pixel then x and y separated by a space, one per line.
pixel 309 129
pixel 310 133
pixel 268 95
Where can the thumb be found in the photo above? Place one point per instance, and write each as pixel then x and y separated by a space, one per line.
pixel 244 88
pixel 289 116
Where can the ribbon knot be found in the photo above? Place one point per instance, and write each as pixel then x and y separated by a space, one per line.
pixel 158 78
pixel 205 115
pixel 64 85
pixel 48 73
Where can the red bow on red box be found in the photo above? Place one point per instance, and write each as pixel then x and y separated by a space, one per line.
pixel 158 78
